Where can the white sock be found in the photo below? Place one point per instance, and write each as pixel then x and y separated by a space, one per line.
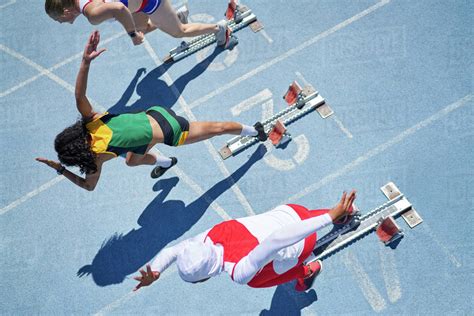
pixel 248 131
pixel 163 161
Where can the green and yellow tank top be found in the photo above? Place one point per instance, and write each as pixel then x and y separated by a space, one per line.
pixel 119 133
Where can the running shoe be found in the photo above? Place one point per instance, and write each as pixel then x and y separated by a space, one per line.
pixel 314 268
pixel 159 171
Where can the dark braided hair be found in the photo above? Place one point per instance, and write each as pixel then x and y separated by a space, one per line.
pixel 74 148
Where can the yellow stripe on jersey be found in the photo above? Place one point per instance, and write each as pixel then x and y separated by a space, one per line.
pixel 183 137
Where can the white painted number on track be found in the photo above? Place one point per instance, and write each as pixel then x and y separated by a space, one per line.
pixel 265 99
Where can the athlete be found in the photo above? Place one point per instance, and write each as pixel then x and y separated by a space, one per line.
pixel 261 251
pixel 99 137
pixel 138 17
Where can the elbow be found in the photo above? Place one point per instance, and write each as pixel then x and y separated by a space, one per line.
pixel 89 187
pixel 94 21
pixel 119 9
pixel 274 239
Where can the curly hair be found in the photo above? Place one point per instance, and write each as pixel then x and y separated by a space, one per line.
pixel 74 148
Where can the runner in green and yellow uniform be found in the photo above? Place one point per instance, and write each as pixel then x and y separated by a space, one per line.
pixel 99 137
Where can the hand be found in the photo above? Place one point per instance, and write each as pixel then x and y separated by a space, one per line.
pixel 138 38
pixel 141 71
pixel 343 207
pixel 90 51
pixel 147 277
pixel 53 164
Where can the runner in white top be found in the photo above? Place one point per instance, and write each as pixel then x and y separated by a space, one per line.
pixel 261 251
pixel 137 17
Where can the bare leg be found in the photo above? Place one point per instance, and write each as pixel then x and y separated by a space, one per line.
pixel 143 22
pixel 165 19
pixel 199 131
pixel 133 160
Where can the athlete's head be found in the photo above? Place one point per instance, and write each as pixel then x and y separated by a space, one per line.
pixel 74 149
pixel 198 262
pixel 63 11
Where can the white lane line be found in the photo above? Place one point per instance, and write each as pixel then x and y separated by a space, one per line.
pixel 3 6
pixel 341 126
pixel 334 117
pixel 115 304
pixel 118 302
pixel 246 105
pixel 299 75
pixel 54 67
pixel 289 53
pixel 369 290
pixel 39 68
pixel 20 85
pixel 212 150
pixel 389 269
pixel 445 249
pixel 31 194
pixel 266 36
pixel 381 148
pixel 43 71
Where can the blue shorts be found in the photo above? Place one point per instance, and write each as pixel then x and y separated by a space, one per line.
pixel 147 6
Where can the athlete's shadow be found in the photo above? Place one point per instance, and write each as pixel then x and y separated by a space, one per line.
pixel 287 301
pixel 155 91
pixel 160 223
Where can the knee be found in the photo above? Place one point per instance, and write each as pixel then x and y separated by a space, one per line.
pixel 129 161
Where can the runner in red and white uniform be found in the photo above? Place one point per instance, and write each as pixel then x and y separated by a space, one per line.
pixel 137 17
pixel 261 251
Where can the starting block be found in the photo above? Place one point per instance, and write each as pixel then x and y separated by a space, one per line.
pixel 293 94
pixel 232 12
pixel 241 16
pixel 388 231
pixel 381 220
pixel 307 100
pixel 277 133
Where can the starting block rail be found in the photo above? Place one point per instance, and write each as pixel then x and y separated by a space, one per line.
pixel 308 101
pixel 361 226
pixel 241 20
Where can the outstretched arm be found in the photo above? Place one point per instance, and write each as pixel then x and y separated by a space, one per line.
pixel 285 237
pixel 88 183
pixel 99 13
pixel 163 260
pixel 90 53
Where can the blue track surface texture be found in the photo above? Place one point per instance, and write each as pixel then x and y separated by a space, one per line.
pixel 398 75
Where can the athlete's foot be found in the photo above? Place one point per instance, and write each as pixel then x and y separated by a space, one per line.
pixel 159 171
pixel 183 13
pixel 262 136
pixel 314 268
pixel 224 35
